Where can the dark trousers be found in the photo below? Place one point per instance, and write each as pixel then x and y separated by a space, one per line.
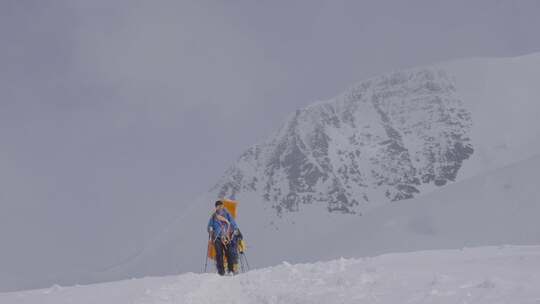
pixel 230 251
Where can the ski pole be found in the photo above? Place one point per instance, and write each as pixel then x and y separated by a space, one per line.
pixel 247 263
pixel 207 250
pixel 241 264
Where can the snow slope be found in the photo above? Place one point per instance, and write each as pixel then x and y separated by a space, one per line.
pixel 504 274
pixel 498 207
pixel 502 95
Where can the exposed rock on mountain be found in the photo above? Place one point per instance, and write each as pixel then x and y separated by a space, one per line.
pixel 382 140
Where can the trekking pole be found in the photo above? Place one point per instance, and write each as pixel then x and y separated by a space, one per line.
pixel 242 268
pixel 207 250
pixel 247 263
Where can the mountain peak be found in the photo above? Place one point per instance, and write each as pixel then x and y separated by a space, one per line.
pixel 384 139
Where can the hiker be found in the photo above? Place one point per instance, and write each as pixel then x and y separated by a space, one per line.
pixel 225 235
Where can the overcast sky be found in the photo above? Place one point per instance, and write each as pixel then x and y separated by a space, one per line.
pixel 113 113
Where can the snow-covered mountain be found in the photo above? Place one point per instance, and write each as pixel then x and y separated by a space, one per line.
pixel 459 141
pixel 395 137
pixel 382 140
pixel 482 114
pixel 469 275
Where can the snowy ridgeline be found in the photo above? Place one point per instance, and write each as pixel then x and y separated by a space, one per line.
pixel 505 274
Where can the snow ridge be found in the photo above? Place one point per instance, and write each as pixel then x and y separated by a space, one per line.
pixel 503 274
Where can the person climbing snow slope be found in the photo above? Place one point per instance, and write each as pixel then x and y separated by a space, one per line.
pixel 224 234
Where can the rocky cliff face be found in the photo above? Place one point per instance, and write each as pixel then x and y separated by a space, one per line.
pixel 383 140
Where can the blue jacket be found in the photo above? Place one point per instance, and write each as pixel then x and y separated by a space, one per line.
pixel 219 228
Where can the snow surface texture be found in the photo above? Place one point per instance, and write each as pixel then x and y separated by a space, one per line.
pixel 491 275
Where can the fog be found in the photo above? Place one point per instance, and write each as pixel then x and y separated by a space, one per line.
pixel 114 114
